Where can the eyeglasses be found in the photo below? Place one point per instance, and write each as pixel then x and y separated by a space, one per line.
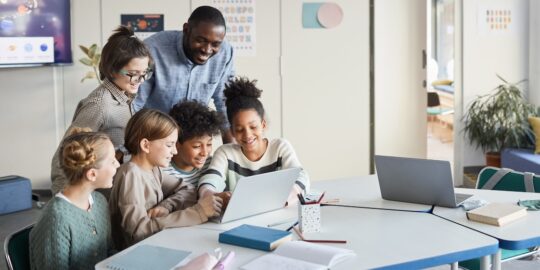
pixel 136 78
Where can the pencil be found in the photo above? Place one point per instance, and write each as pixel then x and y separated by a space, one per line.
pixel 317 241
pixel 326 241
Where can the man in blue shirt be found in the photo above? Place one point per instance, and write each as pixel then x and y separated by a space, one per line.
pixel 192 64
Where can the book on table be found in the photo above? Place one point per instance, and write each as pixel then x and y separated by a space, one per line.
pixel 256 237
pixel 148 257
pixel 497 214
pixel 302 256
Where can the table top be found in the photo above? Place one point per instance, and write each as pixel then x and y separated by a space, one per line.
pixel 363 192
pixel 522 233
pixel 380 238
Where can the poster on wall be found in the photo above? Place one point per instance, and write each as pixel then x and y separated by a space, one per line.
pixel 500 19
pixel 144 25
pixel 240 19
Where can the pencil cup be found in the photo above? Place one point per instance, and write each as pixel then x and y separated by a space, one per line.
pixel 309 217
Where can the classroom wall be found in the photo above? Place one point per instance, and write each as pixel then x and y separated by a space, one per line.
pixel 487 54
pixel 534 52
pixel 307 108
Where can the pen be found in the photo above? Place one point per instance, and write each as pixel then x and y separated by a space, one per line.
pixel 292 226
pixel 301 198
pixel 223 262
pixel 320 199
pixel 317 241
pixel 280 222
pixel 317 201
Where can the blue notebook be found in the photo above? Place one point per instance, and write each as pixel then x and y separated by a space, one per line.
pixel 148 257
pixel 256 237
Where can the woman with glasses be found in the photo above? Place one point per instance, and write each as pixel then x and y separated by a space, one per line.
pixel 125 64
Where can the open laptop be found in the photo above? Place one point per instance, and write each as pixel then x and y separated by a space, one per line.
pixel 259 194
pixel 415 180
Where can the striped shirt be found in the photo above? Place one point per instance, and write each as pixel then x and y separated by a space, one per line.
pixel 229 164
pixel 106 109
pixel 191 177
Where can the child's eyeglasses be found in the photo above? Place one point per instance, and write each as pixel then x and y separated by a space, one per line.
pixel 136 78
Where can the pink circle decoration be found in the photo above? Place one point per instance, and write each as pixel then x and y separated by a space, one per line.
pixel 329 15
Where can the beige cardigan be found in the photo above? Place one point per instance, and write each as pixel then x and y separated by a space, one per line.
pixel 135 191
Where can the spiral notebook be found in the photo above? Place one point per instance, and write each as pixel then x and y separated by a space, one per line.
pixel 148 257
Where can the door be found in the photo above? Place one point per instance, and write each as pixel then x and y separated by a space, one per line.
pixel 400 74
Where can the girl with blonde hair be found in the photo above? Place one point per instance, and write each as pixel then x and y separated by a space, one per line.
pixel 74 231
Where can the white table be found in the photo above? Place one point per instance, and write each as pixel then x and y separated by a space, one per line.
pixel 520 234
pixel 380 238
pixel 363 192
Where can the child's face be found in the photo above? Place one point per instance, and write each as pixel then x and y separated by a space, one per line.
pixel 247 129
pixel 107 168
pixel 131 76
pixel 193 153
pixel 161 151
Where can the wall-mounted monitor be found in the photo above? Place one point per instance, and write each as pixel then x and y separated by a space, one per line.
pixel 35 32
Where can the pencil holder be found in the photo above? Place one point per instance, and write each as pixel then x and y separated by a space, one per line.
pixel 309 217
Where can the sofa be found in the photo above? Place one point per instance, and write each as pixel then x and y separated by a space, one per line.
pixel 523 160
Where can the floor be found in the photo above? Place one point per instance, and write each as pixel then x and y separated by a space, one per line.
pixel 440 145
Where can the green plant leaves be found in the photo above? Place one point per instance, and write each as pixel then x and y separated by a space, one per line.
pixel 89 75
pixel 92 60
pixel 86 61
pixel 499 119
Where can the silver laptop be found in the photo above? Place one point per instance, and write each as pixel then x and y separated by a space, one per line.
pixel 259 194
pixel 415 180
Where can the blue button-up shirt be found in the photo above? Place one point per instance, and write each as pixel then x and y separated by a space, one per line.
pixel 176 77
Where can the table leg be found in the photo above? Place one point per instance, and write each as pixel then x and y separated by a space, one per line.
pixel 484 262
pixel 496 260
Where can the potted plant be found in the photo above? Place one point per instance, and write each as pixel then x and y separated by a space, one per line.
pixel 93 56
pixel 498 120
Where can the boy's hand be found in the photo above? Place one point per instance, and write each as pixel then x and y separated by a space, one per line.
pixel 158 211
pixel 211 205
pixel 226 197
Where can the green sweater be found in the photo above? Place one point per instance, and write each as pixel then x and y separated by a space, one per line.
pixel 67 237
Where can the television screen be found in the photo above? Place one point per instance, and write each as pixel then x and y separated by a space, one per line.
pixel 34 32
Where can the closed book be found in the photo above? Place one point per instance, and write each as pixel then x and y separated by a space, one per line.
pixel 148 257
pixel 256 237
pixel 497 214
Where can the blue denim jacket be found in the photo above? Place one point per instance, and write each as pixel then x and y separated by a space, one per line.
pixel 176 77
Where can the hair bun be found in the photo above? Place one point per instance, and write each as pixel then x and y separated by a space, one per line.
pixel 122 31
pixel 78 155
pixel 241 87
pixel 78 130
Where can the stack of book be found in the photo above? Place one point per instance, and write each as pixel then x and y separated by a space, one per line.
pixel 498 214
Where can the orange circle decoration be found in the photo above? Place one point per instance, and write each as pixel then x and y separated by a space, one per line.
pixel 142 24
pixel 329 15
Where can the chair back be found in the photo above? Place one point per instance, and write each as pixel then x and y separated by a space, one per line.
pixel 433 99
pixel 17 249
pixel 508 180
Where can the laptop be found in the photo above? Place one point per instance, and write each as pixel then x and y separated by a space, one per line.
pixel 259 193
pixel 415 180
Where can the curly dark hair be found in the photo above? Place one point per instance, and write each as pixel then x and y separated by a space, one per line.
pixel 196 120
pixel 242 94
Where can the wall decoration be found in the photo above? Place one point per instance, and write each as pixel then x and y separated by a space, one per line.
pixel 144 25
pixel 240 19
pixel 321 15
pixel 500 19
